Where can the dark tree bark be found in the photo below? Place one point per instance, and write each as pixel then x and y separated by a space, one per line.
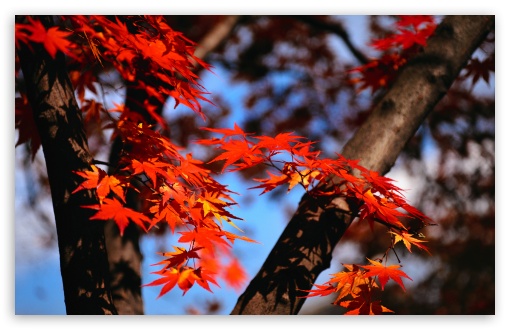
pixel 83 258
pixel 305 247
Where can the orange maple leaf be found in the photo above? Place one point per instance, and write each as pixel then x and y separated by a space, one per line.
pixel 376 206
pixel 232 237
pixel 384 273
pixel 212 204
pixel 348 282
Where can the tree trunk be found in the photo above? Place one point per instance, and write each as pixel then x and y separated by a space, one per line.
pixel 305 247
pixel 83 259
pixel 124 255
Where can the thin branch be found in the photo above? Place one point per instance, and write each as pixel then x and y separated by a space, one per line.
pixel 337 29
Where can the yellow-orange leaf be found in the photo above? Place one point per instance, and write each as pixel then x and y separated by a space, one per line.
pixel 348 282
pixel 304 177
pixel 408 240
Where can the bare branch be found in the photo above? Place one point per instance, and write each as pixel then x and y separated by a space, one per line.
pixel 337 29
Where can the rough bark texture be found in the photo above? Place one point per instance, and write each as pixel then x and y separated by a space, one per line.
pixel 83 258
pixel 124 253
pixel 305 247
pixel 125 261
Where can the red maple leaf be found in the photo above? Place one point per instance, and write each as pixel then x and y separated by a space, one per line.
pixel 227 132
pixel 102 182
pixel 414 20
pixel 479 69
pixel 151 168
pixel 204 237
pixel 398 47
pixel 112 209
pixel 168 279
pixel 272 182
pixel 166 212
pixel 236 150
pixel 92 110
pixel 283 141
pixel 52 39
pixel 384 273
pixel 24 122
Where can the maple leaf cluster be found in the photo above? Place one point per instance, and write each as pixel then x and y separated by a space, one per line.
pixel 409 37
pixel 144 50
pixel 178 191
pixel 147 51
pixel 357 289
pixel 294 162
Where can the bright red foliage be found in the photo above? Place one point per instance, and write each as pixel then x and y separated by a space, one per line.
pixel 182 192
pixel 411 35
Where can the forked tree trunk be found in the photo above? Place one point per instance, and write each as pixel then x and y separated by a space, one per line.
pixel 305 247
pixel 83 258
